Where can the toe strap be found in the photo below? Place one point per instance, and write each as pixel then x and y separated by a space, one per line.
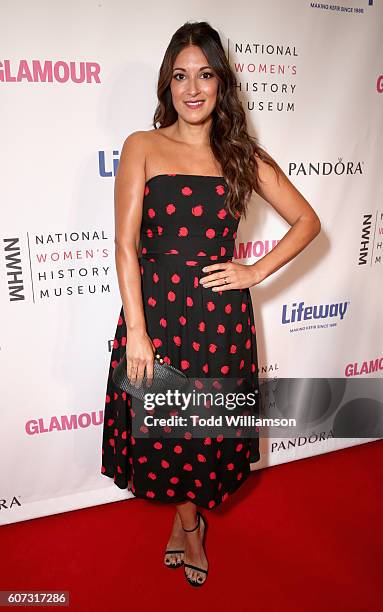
pixel 169 552
pixel 199 569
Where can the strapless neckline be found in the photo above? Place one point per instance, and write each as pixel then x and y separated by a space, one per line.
pixel 209 176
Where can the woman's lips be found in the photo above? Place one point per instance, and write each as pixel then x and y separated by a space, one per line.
pixel 197 104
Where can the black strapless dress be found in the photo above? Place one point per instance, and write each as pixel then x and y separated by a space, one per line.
pixel 204 333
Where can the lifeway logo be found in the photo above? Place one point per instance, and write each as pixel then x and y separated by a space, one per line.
pixel 107 163
pixel 299 312
pixel 48 71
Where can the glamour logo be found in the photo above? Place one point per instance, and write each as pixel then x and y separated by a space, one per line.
pixel 366 367
pixel 47 71
pixel 107 165
pixel 325 168
pixel 300 312
pixel 258 248
pixel 64 422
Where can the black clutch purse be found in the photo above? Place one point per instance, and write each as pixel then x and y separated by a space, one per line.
pixel 165 377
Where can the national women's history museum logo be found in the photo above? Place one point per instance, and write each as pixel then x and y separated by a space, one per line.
pixel 41 267
pixel 370 247
pixel 258 66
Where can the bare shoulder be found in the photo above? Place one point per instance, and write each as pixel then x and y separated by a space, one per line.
pixel 133 158
pixel 266 172
pixel 139 143
pixel 134 141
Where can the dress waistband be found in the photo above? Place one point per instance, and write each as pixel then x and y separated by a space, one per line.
pixel 193 250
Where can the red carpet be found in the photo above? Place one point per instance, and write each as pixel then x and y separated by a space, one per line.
pixel 302 536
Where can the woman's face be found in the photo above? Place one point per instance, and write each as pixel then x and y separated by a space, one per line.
pixel 193 80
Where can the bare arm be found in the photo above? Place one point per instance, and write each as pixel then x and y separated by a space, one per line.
pixel 294 208
pixel 128 198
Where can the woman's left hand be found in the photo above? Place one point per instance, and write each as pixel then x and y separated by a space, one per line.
pixel 237 276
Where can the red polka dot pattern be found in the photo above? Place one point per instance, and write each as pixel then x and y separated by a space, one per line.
pixel 185 226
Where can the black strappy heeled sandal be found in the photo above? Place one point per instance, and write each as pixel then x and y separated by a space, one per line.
pixel 195 567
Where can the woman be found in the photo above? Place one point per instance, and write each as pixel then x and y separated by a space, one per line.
pixel 181 189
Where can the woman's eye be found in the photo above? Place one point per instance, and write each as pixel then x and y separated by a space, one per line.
pixel 181 75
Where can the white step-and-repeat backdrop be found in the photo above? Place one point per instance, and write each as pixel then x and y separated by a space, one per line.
pixel 75 79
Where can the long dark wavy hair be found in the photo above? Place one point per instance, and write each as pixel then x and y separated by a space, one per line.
pixel 230 142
